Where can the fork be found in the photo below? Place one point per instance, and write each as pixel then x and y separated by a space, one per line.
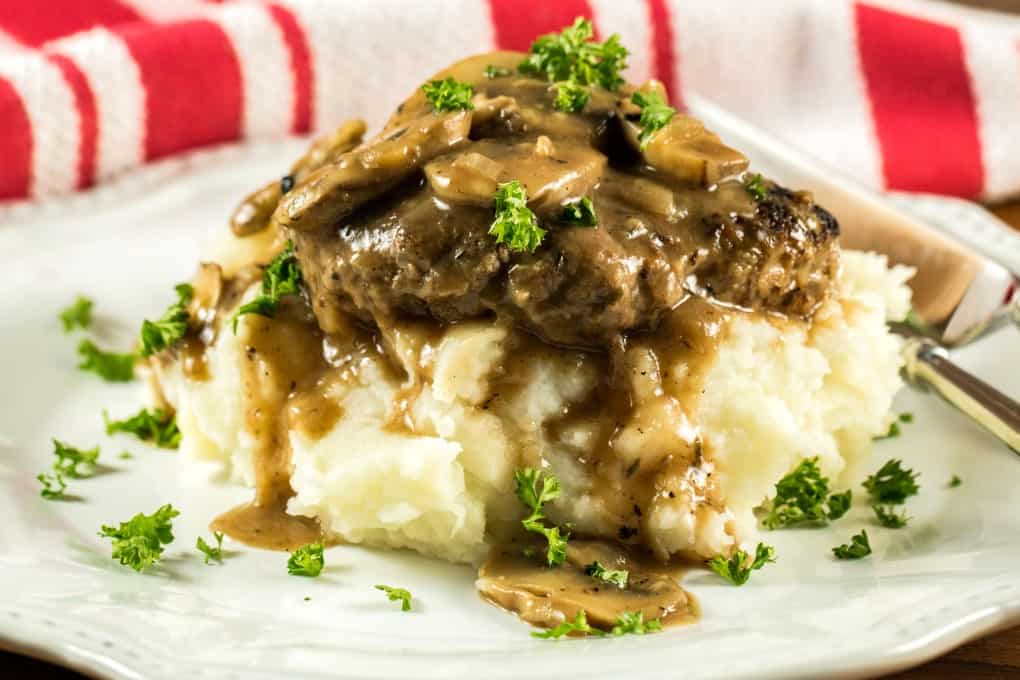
pixel 927 365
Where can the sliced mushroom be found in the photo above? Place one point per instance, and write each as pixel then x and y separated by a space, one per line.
pixel 255 211
pixel 336 190
pixel 547 596
pixel 643 194
pixel 469 179
pixel 683 149
pixel 551 175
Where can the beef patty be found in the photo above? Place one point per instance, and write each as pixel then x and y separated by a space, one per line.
pixel 399 226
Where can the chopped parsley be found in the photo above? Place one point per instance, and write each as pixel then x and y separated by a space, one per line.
pixel 578 626
pixel 857 548
pixel 281 277
pixel 571 55
pixel 395 594
pixel 628 623
pixel 633 623
pixel 894 427
pixel 955 482
pixel 210 552
pixel 448 94
pixel 138 543
pixel 534 489
pixel 655 114
pixel 839 504
pixel 803 496
pixel 77 315
pixel 755 185
pixel 888 517
pixel 156 426
pixel 580 213
pixel 171 327
pixel 125 455
pixel 570 97
pixel 493 71
pixel 618 577
pixel 308 560
pixel 110 366
pixel 515 223
pixel 737 569
pixel 69 458
pixel 52 486
pixel 892 483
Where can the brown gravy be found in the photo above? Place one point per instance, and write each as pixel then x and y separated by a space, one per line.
pixel 545 596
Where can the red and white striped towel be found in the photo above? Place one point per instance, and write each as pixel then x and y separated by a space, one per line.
pixel 908 95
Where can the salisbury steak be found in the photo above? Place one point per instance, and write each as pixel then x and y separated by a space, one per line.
pixel 399 227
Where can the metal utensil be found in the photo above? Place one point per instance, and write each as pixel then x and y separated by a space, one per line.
pixel 928 366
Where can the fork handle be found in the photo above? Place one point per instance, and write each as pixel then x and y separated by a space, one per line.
pixel 929 364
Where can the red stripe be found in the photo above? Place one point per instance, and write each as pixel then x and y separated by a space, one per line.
pixel 518 22
pixel 663 57
pixel 921 101
pixel 15 144
pixel 34 22
pixel 300 66
pixel 88 119
pixel 193 86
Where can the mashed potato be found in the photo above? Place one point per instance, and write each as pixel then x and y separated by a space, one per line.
pixel 773 394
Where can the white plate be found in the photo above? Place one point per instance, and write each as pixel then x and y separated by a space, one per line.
pixel 947 577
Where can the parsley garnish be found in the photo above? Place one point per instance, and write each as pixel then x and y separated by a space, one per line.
pixel 307 560
pixel 737 569
pixel 69 458
pixel 138 543
pixel 894 427
pixel 856 549
pixel 125 455
pixel 633 623
pixel 534 489
pixel 448 94
pixel 892 484
pixel 210 552
pixel 803 496
pixel 78 314
pixel 888 517
pixel 156 426
pixel 655 114
pixel 617 577
pixel 52 486
pixel 171 327
pixel 515 224
pixel 109 366
pixel 955 482
pixel 839 504
pixel 571 56
pixel 493 71
pixel 578 625
pixel 628 623
pixel 281 277
pixel 580 213
pixel 570 97
pixel 395 594
pixel 755 185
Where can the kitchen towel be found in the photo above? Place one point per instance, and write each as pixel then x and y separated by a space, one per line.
pixel 898 94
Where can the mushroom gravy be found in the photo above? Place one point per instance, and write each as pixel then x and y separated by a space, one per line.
pixel 392 239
